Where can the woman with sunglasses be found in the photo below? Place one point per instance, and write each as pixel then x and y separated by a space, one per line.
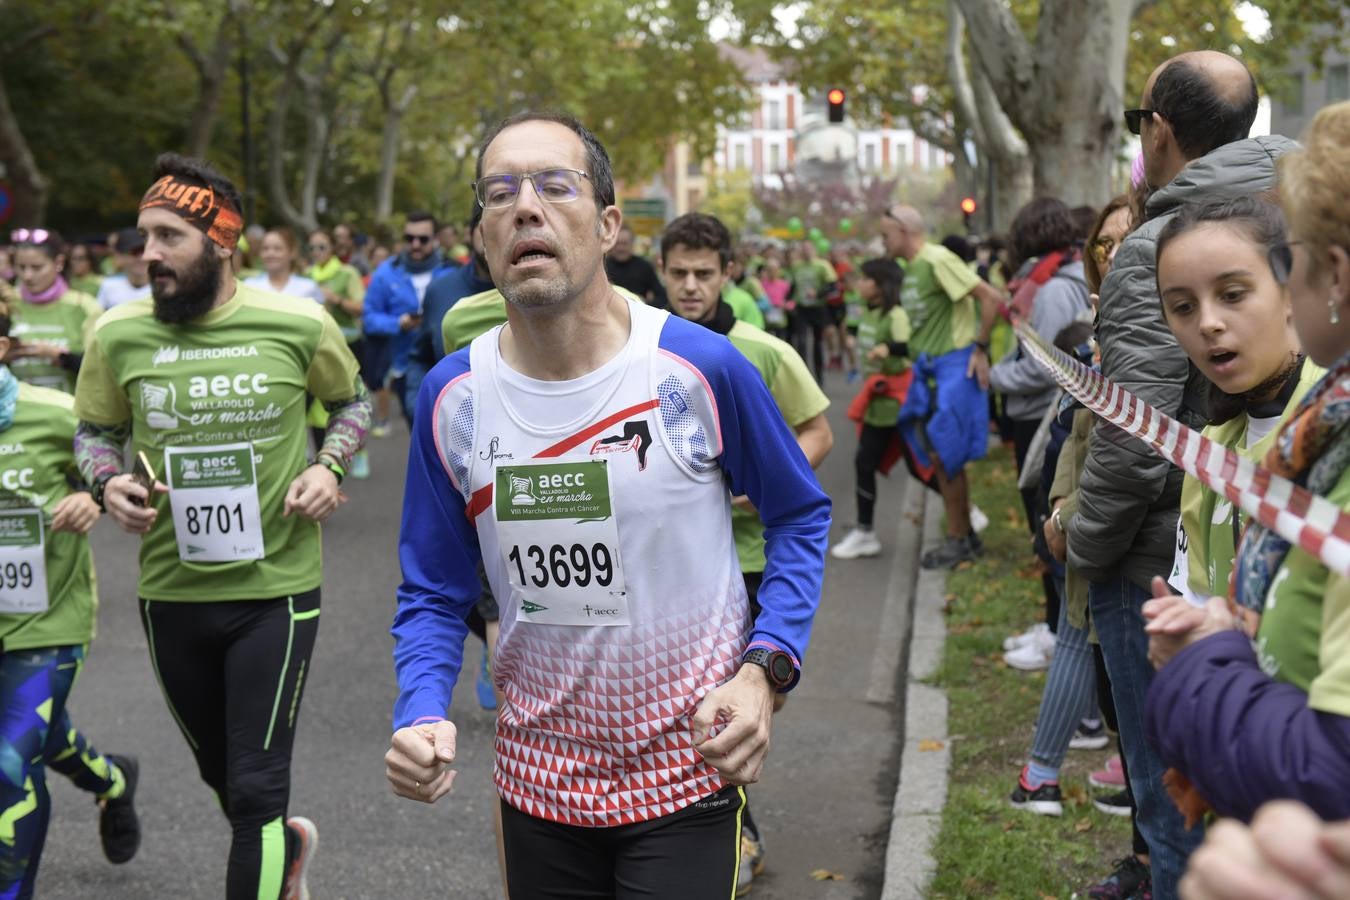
pixel 48 602
pixel 51 321
pixel 280 255
pixel 80 271
pixel 1250 722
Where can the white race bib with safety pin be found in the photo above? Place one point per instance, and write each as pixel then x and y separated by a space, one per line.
pixel 214 495
pixel 23 562
pixel 556 527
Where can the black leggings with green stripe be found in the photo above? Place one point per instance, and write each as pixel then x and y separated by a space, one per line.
pixel 233 673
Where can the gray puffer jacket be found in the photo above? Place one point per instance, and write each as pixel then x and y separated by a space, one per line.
pixel 1027 387
pixel 1129 496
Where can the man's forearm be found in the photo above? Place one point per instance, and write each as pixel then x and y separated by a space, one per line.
pixel 348 423
pixel 98 448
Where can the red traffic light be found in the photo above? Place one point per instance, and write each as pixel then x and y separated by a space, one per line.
pixel 968 205
pixel 835 97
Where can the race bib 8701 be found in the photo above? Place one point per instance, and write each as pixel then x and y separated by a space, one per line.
pixel 213 492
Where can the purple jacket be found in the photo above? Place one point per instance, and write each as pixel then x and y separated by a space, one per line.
pixel 1242 737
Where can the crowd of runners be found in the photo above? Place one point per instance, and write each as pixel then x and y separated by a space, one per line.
pixel 210 387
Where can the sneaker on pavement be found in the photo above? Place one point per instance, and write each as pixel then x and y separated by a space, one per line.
pixel 1043 800
pixel 1114 804
pixel 752 862
pixel 1110 776
pixel 1012 642
pixel 306 843
pixel 1129 879
pixel 361 465
pixel 483 685
pixel 380 430
pixel 855 544
pixel 1033 656
pixel 119 829
pixel 1085 738
pixel 950 553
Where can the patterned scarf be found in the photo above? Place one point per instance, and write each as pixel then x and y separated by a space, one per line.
pixel 9 396
pixel 57 289
pixel 1312 450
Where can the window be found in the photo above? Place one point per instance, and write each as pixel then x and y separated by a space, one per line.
pixel 1338 83
pixel 775 158
pixel 739 152
pixel 775 115
pixel 870 158
pixel 1293 97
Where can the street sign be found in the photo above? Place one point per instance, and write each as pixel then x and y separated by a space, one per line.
pixel 6 205
pixel 646 216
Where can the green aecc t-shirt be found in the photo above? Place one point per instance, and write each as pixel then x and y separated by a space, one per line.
pixel 237 375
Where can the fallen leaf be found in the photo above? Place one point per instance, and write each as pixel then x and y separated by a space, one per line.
pixel 1009 825
pixel 1082 825
pixel 930 746
pixel 978 599
pixel 1049 897
pixel 963 565
pixel 826 875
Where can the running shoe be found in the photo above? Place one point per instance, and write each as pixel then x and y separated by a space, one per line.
pixel 305 845
pixel 1129 880
pixel 119 828
pixel 950 553
pixel 1085 738
pixel 1043 800
pixel 855 544
pixel 380 430
pixel 361 465
pixel 483 685
pixel 1033 656
pixel 1110 776
pixel 1115 804
pixel 752 862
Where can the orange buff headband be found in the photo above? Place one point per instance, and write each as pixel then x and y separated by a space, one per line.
pixel 200 205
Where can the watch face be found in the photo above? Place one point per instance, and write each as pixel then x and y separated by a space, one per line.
pixel 780 668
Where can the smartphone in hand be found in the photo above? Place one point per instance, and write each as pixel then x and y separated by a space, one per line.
pixel 143 474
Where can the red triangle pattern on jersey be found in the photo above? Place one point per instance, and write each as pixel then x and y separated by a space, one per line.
pixel 598 734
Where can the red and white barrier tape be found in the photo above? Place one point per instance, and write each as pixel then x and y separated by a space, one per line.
pixel 1303 519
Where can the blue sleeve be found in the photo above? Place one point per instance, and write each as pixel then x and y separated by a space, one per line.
pixel 1243 738
pixel 762 460
pixel 439 555
pixel 376 317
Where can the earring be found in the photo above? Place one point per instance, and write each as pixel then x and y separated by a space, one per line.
pixel 1335 312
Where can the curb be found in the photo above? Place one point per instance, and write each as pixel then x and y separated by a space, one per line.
pixel 921 790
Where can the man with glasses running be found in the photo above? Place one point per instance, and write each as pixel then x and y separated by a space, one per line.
pixel 583 451
pixel 393 314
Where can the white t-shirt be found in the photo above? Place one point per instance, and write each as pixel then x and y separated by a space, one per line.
pixel 297 286
pixel 116 290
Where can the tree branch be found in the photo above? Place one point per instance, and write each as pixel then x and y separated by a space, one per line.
pixel 32 36
pixel 1001 48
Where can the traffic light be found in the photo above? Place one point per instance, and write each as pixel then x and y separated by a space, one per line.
pixel 968 207
pixel 836 100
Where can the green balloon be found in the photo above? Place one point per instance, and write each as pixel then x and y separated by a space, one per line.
pixel 845 226
pixel 815 234
pixel 823 245
pixel 794 225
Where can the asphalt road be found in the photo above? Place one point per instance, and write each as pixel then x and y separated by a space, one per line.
pixel 824 802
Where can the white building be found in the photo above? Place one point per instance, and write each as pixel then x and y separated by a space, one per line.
pixel 1292 110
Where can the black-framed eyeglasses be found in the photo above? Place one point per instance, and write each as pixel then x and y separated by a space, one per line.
pixel 551 185
pixel 418 238
pixel 1281 258
pixel 1134 118
pixel 29 236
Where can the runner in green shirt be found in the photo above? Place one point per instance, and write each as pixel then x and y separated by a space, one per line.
pixel 344 295
pixel 80 273
pixel 208 380
pixel 695 253
pixel 47 606
pixel 951 314
pixel 51 322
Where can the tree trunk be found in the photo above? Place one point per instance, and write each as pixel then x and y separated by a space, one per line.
pixel 277 190
pixel 29 200
pixel 1009 184
pixel 212 66
pixel 1065 92
pixel 393 119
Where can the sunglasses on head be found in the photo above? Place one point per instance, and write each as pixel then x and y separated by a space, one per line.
pixel 29 236
pixel 418 238
pixel 1281 258
pixel 1134 118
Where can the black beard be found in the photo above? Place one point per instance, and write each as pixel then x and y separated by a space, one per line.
pixel 196 292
